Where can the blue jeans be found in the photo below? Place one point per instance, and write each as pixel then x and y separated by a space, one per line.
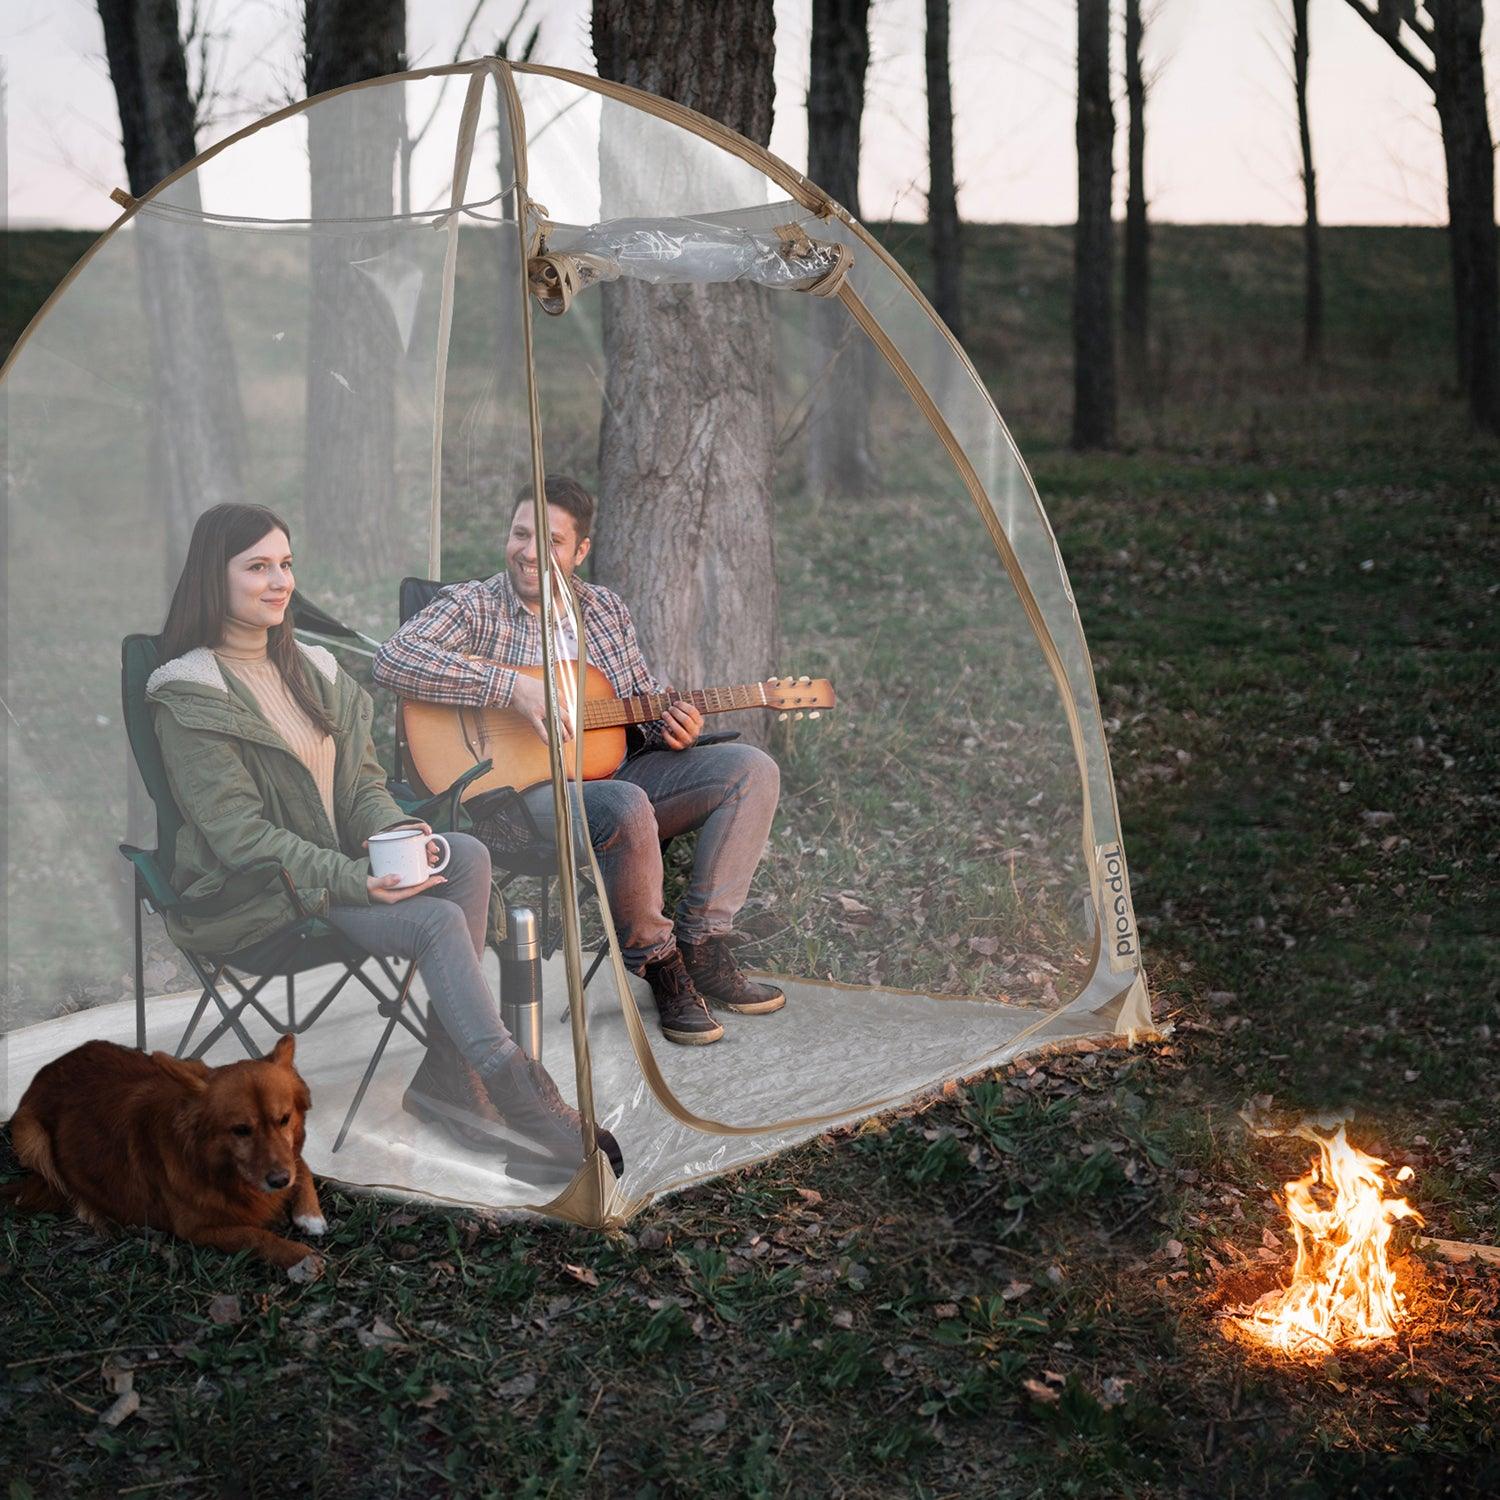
pixel 444 932
pixel 728 792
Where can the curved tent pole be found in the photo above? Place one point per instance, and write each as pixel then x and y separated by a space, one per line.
pixel 819 203
pixel 593 1170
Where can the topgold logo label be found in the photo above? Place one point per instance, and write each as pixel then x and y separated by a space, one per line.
pixel 1116 912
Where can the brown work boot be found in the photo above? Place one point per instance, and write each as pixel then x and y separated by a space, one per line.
pixel 448 1092
pixel 528 1101
pixel 680 1010
pixel 718 978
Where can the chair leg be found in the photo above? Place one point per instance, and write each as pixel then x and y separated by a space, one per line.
pixel 231 1015
pixel 396 1007
pixel 140 976
pixel 247 1001
pixel 599 958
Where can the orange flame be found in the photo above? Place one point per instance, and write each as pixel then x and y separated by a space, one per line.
pixel 1342 1289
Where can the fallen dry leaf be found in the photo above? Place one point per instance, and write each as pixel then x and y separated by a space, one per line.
pixel 582 1273
pixel 308 1269
pixel 433 1397
pixel 379 1335
pixel 224 1309
pixel 1039 1392
pixel 516 1387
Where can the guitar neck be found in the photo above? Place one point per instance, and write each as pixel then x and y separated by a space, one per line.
pixel 606 713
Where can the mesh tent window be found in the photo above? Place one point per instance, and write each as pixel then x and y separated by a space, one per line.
pixel 386 344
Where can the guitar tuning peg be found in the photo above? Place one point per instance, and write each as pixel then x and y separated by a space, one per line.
pixel 783 717
pixel 804 680
pixel 815 714
pixel 771 681
pixel 800 714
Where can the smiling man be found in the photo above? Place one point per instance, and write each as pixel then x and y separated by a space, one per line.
pixel 463 650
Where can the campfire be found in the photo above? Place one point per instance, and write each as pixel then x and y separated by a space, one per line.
pixel 1342 1291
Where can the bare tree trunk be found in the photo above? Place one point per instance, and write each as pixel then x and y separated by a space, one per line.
pixel 942 189
pixel 1093 245
pixel 1137 228
pixel 1450 32
pixel 1470 156
pixel 1312 305
pixel 353 147
pixel 686 448
pixel 198 431
pixel 839 460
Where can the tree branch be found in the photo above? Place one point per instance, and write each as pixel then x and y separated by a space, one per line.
pixel 1386 24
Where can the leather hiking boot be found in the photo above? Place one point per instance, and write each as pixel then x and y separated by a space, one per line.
pixel 718 978
pixel 446 1091
pixel 680 1009
pixel 531 1107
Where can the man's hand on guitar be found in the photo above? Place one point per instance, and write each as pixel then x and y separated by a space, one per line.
pixel 681 725
pixel 529 698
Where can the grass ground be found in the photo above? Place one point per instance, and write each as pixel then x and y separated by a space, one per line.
pixel 1287 580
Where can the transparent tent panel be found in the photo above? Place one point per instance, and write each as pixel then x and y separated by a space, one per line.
pixel 272 330
pixel 375 151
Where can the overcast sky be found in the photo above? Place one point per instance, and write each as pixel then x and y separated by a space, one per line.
pixel 1221 125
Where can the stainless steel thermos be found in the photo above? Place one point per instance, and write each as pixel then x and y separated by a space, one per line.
pixel 521 980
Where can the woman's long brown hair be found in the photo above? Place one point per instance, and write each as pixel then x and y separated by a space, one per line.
pixel 200 603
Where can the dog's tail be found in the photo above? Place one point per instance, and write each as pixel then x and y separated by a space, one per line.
pixel 42 1192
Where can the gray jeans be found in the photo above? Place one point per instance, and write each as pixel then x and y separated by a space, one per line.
pixel 443 931
pixel 729 792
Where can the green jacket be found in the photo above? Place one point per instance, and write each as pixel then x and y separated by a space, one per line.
pixel 249 803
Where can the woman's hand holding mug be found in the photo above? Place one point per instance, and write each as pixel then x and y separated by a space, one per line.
pixel 405 862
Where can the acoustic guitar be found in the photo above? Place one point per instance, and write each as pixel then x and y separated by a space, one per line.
pixel 442 742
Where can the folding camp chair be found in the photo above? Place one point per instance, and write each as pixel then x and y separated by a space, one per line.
pixel 308 942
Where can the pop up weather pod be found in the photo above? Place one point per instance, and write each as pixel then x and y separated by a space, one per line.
pixel 385 312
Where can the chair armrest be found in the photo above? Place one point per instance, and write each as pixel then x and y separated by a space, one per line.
pixel 150 876
pixel 239 886
pixel 442 809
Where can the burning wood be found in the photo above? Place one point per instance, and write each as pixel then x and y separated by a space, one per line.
pixel 1343 1290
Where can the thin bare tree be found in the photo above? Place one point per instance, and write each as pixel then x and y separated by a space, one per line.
pixel 839 460
pixel 353 151
pixel 686 445
pixel 942 187
pixel 1137 289
pixel 1094 397
pixel 197 436
pixel 1312 250
pixel 1440 41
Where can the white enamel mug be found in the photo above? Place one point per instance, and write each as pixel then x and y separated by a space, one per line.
pixel 403 852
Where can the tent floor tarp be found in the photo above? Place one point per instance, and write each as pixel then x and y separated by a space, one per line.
pixel 828 1041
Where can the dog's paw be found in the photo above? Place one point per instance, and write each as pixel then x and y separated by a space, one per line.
pixel 309 1268
pixel 313 1224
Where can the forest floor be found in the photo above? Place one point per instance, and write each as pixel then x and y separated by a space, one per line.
pixel 1288 582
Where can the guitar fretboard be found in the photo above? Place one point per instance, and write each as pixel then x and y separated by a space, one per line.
pixel 604 713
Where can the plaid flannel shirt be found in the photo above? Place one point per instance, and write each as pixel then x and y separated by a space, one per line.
pixel 433 656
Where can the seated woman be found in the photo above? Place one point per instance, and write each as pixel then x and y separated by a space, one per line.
pixel 268 749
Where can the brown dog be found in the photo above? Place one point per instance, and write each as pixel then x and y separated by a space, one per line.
pixel 214 1155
